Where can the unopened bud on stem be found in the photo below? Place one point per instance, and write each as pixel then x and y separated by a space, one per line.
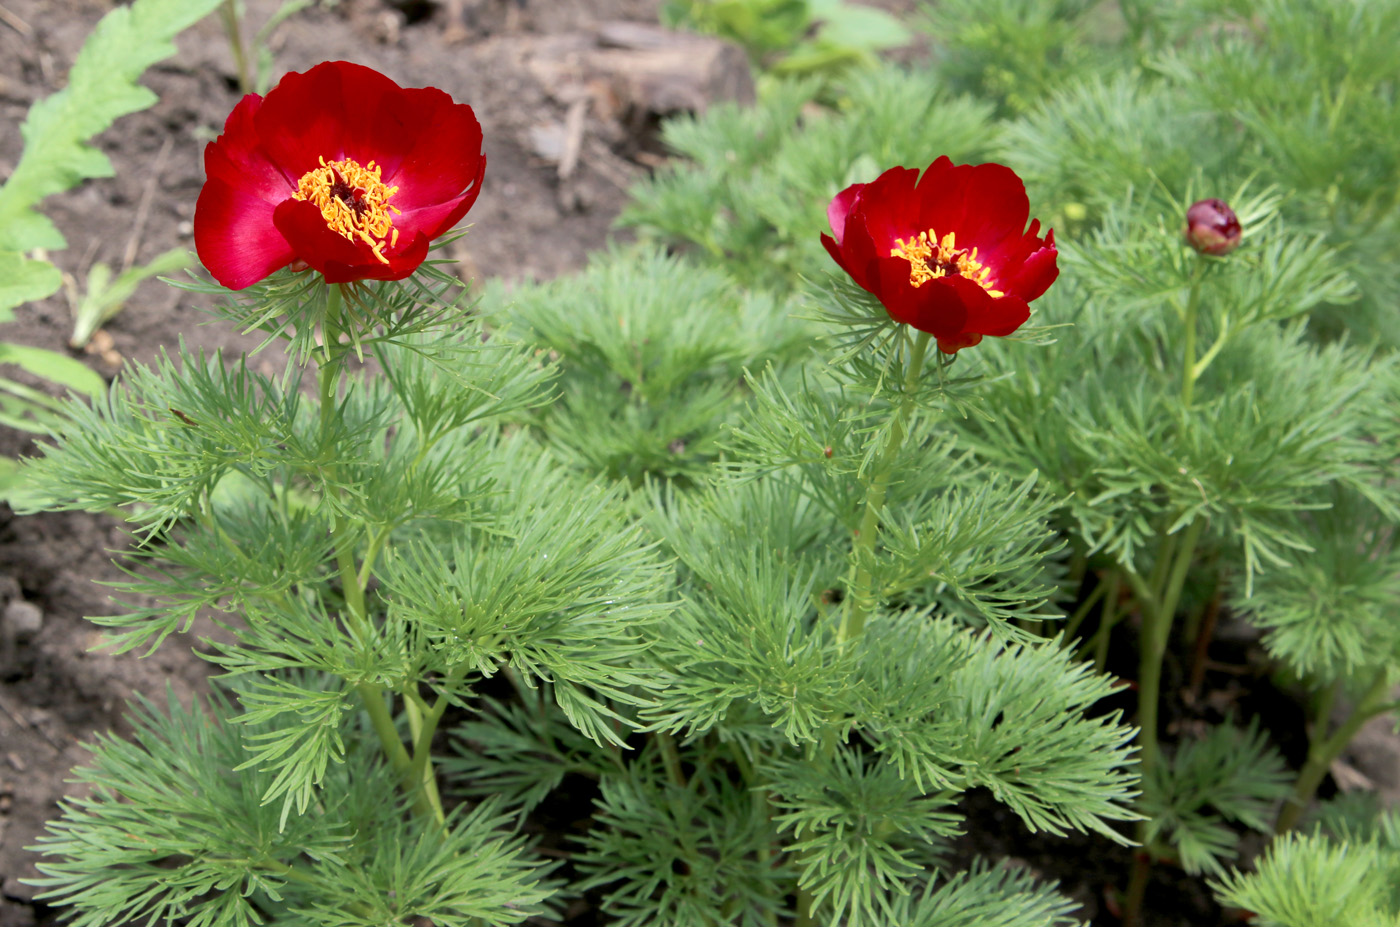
pixel 1212 227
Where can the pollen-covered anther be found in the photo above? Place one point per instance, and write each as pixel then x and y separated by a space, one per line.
pixel 928 261
pixel 354 201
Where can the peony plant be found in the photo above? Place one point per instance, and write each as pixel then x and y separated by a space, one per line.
pixel 1216 417
pixel 433 621
pixel 726 586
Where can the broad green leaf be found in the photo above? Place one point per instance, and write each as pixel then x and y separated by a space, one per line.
pixel 23 280
pixel 10 477
pixel 53 366
pixel 101 88
pixel 104 297
pixel 859 26
pixel 17 489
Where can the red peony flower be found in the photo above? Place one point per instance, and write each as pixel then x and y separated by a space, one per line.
pixel 1212 227
pixel 948 253
pixel 338 168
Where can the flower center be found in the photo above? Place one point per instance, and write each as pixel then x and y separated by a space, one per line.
pixel 928 260
pixel 353 201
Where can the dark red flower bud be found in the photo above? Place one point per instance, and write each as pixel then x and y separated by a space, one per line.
pixel 1212 227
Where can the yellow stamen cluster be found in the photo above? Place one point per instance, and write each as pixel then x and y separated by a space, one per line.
pixel 353 200
pixel 928 260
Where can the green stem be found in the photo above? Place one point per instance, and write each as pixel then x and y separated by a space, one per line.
pixel 1176 582
pixel 862 599
pixel 1189 370
pixel 376 544
pixel 1156 582
pixel 1108 617
pixel 228 13
pixel 383 723
pixel 805 916
pixel 670 758
pixel 1083 610
pixel 1156 630
pixel 1323 751
pixel 1157 616
pixel 413 772
pixel 1215 348
pixel 421 773
pixel 1137 888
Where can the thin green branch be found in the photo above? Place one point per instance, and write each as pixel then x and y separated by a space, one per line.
pixel 670 758
pixel 1189 371
pixel 228 15
pixel 1084 608
pixel 862 599
pixel 1324 750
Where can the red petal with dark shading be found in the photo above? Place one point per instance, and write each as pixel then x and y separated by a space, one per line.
pixel 237 157
pixel 234 235
pixel 247 222
pixel 840 207
pixel 983 206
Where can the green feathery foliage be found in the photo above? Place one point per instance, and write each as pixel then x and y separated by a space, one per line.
pixel 1015 52
pixel 774 609
pixel 171 829
pixel 1230 777
pixel 1328 613
pixel 652 350
pixel 1313 880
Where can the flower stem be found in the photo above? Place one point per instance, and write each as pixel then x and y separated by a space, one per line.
pixel 1137 888
pixel 421 773
pixel 670 758
pixel 1108 617
pixel 1190 370
pixel 228 13
pixel 1323 751
pixel 863 594
pixel 1156 629
pixel 1083 610
pixel 414 772
pixel 861 600
pixel 1158 600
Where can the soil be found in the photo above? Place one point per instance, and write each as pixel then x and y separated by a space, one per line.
pixel 55 692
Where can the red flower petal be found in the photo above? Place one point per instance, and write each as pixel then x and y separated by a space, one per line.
pixel 433 220
pixel 840 207
pixel 889 209
pixel 997 209
pixel 834 249
pixel 943 195
pixel 425 145
pixel 982 206
pixel 235 237
pixel 237 156
pixel 1002 316
pixel 336 110
pixel 862 254
pixel 400 265
pixel 1036 274
pixel 302 225
pixel 1014 251
pixel 444 162
pixel 939 307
